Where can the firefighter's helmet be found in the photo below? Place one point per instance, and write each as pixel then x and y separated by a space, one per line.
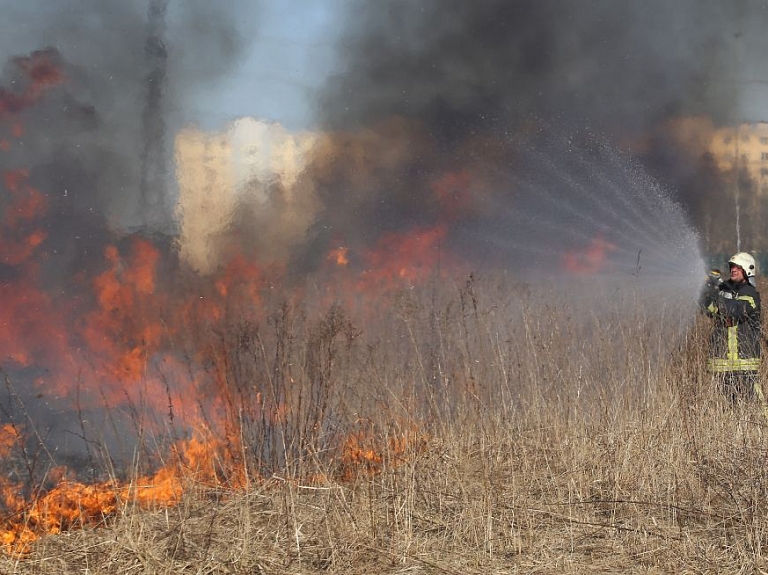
pixel 745 262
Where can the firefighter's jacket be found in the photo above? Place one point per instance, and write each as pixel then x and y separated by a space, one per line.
pixel 735 340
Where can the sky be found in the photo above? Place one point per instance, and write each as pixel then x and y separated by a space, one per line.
pixel 284 52
pixel 291 55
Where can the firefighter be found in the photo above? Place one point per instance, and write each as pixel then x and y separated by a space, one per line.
pixel 734 305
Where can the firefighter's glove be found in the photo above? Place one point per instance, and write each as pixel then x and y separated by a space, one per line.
pixel 711 289
pixel 714 278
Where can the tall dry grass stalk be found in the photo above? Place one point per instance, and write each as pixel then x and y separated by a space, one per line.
pixel 481 427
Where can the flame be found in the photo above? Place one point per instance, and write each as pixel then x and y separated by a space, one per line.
pixel 340 256
pixel 413 257
pixel 203 459
pixel 17 241
pixel 9 437
pixel 590 259
pixel 366 452
pixel 125 329
pixel 41 73
pixel 419 253
pixel 107 328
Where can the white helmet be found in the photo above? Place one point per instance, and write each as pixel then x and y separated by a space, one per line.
pixel 745 262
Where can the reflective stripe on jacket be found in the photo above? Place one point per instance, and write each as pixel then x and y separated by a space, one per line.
pixel 735 340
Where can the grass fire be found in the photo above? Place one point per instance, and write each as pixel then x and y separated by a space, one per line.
pixel 452 325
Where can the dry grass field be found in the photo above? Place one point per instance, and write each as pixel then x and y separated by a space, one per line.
pixel 476 428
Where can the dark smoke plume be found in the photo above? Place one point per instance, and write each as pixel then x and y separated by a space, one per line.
pixel 101 140
pixel 617 65
pixel 471 77
pixel 91 93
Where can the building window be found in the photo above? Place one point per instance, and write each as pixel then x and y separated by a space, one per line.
pixel 764 171
pixel 764 156
pixel 764 141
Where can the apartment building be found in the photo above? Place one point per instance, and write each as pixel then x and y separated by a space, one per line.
pixel 743 146
pixel 220 173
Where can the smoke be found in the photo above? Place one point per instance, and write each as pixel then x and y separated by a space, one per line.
pixel 474 80
pixel 91 93
pixel 98 141
pixel 430 132
pixel 618 66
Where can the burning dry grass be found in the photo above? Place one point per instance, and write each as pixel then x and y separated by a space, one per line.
pixel 474 430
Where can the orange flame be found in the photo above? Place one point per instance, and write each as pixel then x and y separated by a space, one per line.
pixel 589 260
pixel 17 242
pixel 121 332
pixel 41 74
pixel 126 318
pixel 9 436
pixel 339 256
pixel 71 504
pixel 412 257
pixel 365 452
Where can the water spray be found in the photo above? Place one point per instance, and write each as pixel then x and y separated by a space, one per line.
pixel 591 223
pixel 583 209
